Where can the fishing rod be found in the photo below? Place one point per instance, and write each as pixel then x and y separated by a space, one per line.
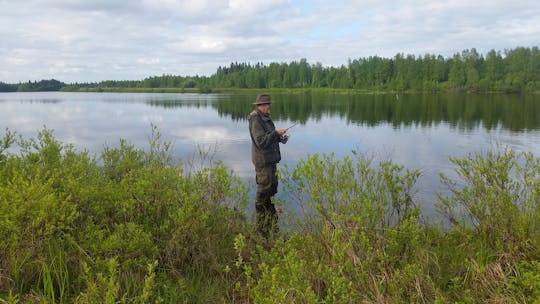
pixel 285 137
pixel 291 126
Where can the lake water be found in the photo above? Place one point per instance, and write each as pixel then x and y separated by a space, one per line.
pixel 417 131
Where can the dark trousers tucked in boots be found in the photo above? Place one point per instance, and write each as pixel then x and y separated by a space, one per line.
pixel 267 183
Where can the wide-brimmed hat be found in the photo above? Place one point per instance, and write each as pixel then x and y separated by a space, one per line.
pixel 263 99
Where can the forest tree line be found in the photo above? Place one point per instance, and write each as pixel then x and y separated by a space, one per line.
pixel 514 70
pixel 33 86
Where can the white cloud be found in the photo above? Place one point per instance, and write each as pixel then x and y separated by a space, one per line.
pixel 183 10
pixel 18 57
pixel 260 7
pixel 81 40
pixel 148 61
pixel 200 44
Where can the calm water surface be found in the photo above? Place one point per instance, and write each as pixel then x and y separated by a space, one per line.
pixel 417 131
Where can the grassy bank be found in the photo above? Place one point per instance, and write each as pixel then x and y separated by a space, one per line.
pixel 131 226
pixel 215 90
pixel 254 92
pixel 131 90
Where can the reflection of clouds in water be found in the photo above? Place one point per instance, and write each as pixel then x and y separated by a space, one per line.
pixel 239 160
pixel 152 118
pixel 207 134
pixel 21 121
pixel 226 144
pixel 229 142
pixel 92 121
pixel 66 113
pixel 202 134
pixel 119 113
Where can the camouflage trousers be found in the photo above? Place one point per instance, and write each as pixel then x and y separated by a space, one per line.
pixel 266 215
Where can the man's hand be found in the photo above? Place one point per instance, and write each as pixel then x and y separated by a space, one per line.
pixel 281 131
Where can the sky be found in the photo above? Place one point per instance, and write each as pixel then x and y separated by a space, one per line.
pixel 94 40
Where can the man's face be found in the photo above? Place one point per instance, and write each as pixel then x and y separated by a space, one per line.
pixel 265 108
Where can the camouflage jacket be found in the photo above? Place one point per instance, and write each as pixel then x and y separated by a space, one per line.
pixel 264 139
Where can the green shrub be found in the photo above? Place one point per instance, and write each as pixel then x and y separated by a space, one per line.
pixel 494 210
pixel 526 281
pixel 497 199
pixel 359 237
pixel 131 226
pixel 76 227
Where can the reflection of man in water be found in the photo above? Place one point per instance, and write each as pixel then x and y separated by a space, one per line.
pixel 265 154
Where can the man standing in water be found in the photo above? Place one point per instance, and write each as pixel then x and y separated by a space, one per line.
pixel 265 154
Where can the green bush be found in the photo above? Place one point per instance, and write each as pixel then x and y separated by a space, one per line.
pixel 497 200
pixel 77 227
pixel 494 212
pixel 359 238
pixel 131 226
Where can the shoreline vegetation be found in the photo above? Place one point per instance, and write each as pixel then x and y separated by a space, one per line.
pixel 510 71
pixel 129 225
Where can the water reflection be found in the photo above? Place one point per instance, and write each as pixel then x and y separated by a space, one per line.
pixel 464 112
pixel 417 131
pixel 461 111
pixel 172 101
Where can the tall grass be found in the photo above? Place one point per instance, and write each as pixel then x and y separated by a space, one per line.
pixel 131 226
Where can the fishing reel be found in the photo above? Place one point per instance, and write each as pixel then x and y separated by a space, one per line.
pixel 285 137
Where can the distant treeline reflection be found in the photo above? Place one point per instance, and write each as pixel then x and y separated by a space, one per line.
pixel 466 111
